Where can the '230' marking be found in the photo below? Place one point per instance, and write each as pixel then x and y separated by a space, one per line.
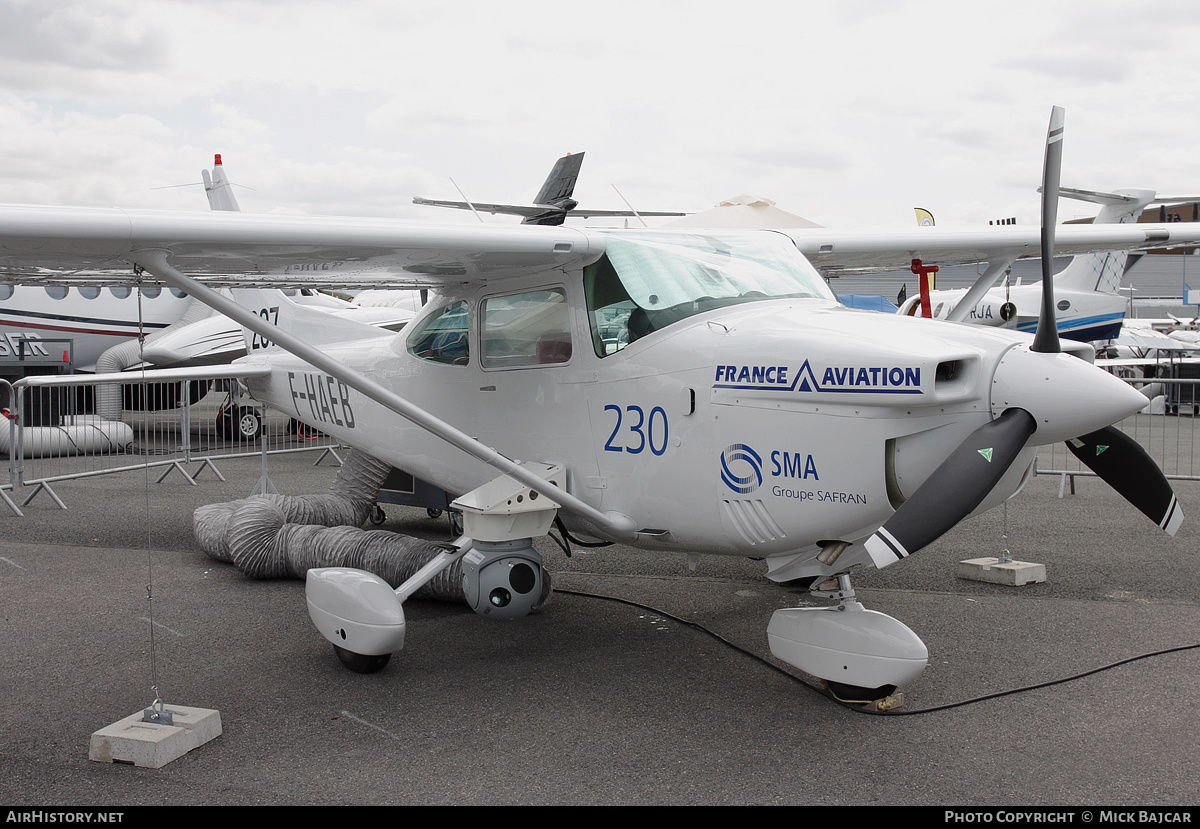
pixel 643 431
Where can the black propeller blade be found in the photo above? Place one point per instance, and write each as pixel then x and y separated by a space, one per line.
pixel 954 489
pixel 1046 338
pixel 1124 465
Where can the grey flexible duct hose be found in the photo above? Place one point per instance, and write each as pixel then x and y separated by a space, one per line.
pixel 281 536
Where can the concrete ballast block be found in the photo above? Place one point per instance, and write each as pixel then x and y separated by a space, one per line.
pixel 153 745
pixel 992 570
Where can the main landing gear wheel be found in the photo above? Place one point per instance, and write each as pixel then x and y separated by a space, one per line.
pixel 241 423
pixel 361 663
pixel 249 424
pixel 302 430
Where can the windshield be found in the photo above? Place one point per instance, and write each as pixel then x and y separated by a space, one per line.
pixel 647 280
pixel 661 270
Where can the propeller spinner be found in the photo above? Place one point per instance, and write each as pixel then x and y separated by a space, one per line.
pixel 1036 390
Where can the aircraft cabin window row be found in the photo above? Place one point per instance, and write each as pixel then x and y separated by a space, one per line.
pixel 519 330
pixel 92 292
pixel 642 283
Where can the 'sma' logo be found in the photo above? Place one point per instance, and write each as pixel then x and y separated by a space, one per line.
pixel 741 458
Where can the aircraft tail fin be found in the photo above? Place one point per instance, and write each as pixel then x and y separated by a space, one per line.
pixel 314 325
pixel 560 184
pixel 218 188
pixel 556 192
pixel 1102 272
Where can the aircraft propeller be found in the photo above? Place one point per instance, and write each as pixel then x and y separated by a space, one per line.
pixel 977 464
pixel 1123 464
pixel 1045 339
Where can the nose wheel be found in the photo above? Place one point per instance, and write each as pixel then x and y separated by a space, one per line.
pixel 362 663
pixel 861 655
pixel 858 695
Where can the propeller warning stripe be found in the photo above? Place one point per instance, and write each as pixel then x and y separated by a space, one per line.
pixel 1173 518
pixel 1123 464
pixel 884 548
pixel 954 489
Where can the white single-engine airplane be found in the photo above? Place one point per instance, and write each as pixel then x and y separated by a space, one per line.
pixel 688 390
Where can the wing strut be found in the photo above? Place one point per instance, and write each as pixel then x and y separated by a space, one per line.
pixel 155 261
pixel 983 284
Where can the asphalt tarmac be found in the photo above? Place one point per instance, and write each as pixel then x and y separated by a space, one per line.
pixel 595 701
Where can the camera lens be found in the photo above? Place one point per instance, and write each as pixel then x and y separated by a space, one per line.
pixel 500 597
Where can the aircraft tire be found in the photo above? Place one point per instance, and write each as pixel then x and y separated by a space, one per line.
pixel 240 423
pixel 247 423
pixel 361 663
pixel 856 694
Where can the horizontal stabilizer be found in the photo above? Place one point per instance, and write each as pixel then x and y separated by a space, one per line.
pixel 533 210
pixel 1097 197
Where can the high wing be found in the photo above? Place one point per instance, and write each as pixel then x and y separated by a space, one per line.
pixel 842 251
pixel 102 246
pixel 66 245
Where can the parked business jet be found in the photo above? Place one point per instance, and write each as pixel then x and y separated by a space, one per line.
pixel 76 325
pixel 1089 307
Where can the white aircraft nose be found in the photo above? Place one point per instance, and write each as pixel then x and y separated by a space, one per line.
pixel 1067 396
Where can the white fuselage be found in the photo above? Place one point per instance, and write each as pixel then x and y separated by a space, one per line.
pixel 760 430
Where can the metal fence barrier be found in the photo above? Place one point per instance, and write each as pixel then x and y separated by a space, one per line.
pixel 184 427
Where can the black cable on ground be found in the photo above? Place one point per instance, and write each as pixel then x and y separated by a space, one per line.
pixel 857 707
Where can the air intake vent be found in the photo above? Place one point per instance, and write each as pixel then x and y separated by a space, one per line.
pixel 752 521
pixel 948 371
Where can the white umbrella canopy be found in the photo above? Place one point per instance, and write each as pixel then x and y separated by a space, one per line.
pixel 1145 338
pixel 750 212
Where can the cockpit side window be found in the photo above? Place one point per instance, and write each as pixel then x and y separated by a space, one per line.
pixel 609 307
pixel 442 336
pixel 532 328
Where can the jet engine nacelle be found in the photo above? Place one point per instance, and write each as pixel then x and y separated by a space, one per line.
pixel 503 579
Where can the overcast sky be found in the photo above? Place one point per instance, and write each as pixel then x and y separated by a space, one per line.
pixel 848 113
